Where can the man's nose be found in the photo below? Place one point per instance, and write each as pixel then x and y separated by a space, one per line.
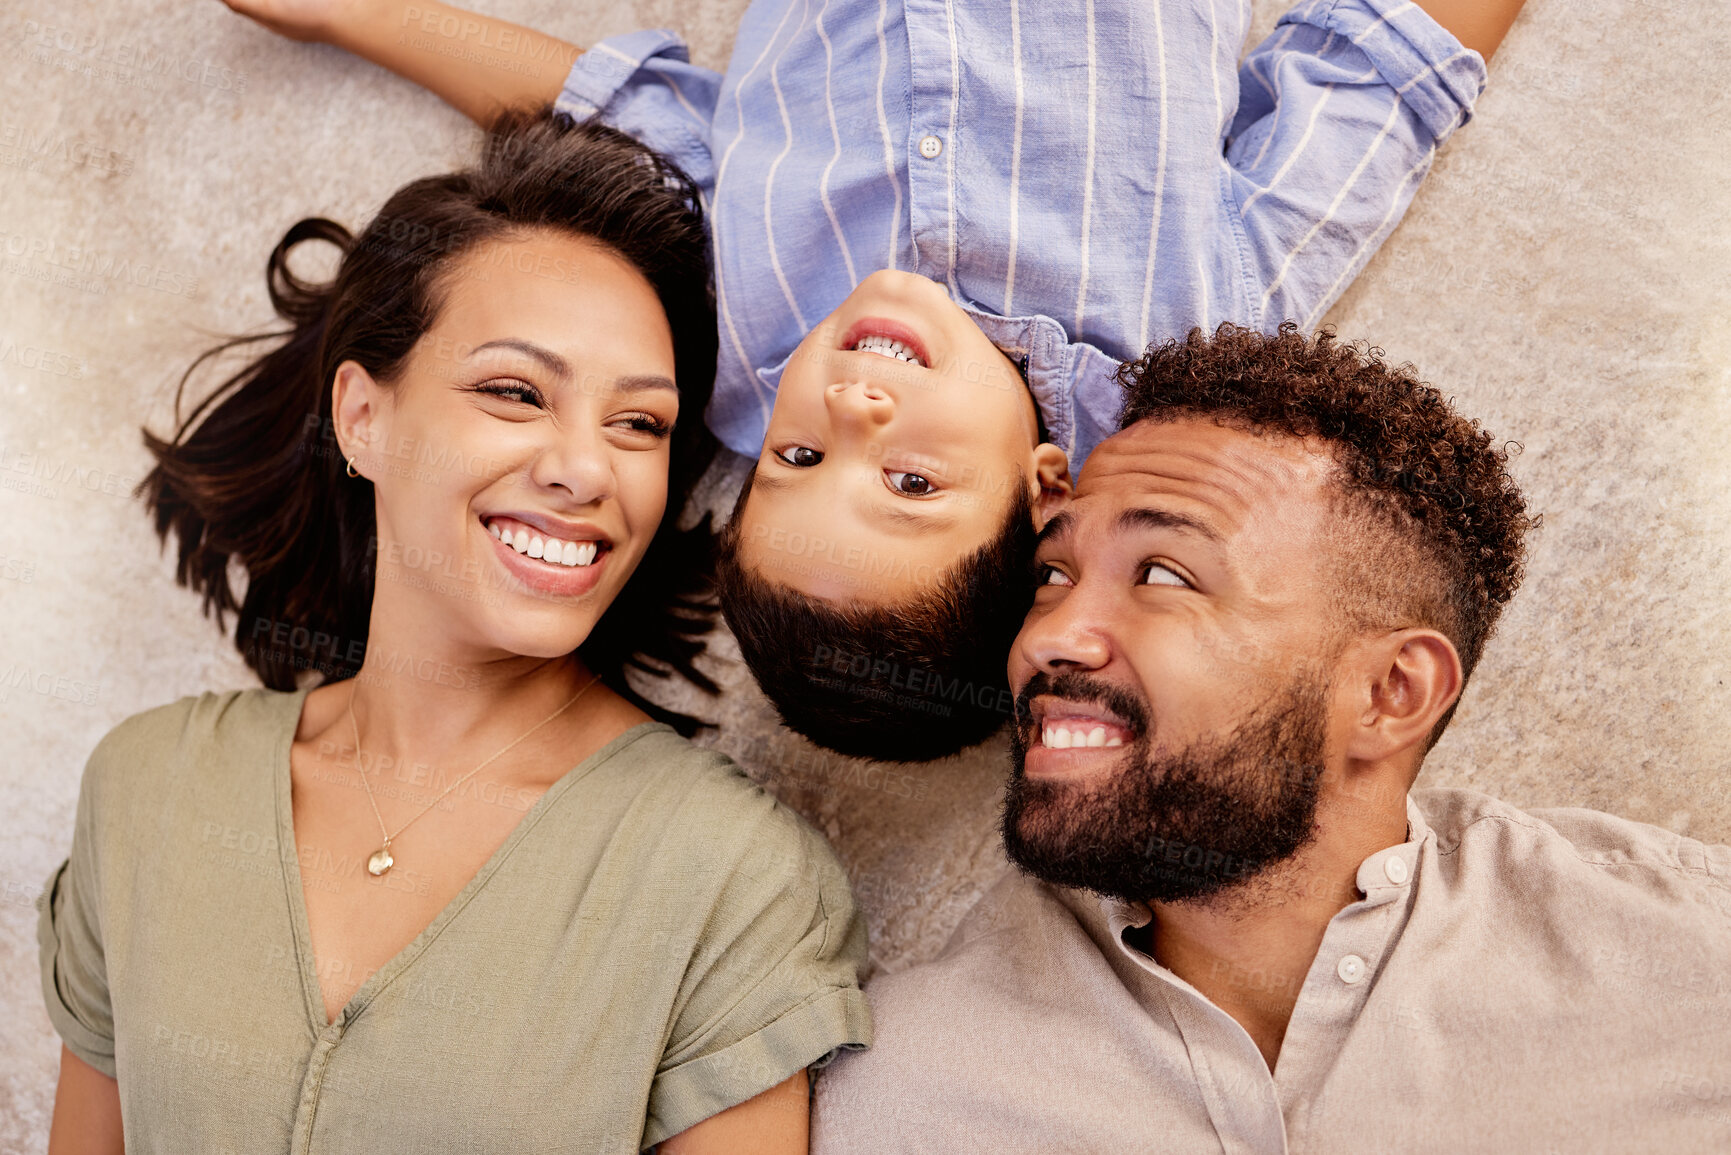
pixel 1073 635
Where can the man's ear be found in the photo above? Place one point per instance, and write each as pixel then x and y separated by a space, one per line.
pixel 1410 679
pixel 357 412
pixel 1052 471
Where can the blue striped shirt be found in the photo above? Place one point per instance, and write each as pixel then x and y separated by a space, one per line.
pixel 1084 177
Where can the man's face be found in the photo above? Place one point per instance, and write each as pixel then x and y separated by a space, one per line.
pixel 899 439
pixel 1173 676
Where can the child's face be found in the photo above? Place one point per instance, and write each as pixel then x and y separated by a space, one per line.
pixel 880 472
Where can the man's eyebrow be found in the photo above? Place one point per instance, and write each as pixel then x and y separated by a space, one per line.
pixel 1142 518
pixel 1062 525
pixel 762 480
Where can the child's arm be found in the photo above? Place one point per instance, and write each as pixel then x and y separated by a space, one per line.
pixel 1341 111
pixel 477 64
pixel 1478 24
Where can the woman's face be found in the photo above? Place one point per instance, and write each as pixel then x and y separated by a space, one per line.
pixel 520 459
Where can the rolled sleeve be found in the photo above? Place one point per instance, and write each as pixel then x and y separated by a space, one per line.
pixel 777 992
pixel 1436 76
pixel 1342 110
pixel 74 978
pixel 644 84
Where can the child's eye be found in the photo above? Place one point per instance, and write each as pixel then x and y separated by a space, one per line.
pixel 1053 576
pixel 802 456
pixel 910 484
pixel 518 391
pixel 1156 574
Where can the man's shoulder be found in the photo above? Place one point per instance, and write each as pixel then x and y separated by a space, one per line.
pixel 1587 854
pixel 1463 818
pixel 1020 968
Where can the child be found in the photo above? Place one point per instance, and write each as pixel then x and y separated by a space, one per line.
pixel 1071 182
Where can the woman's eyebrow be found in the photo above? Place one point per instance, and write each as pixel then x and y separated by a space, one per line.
pixel 549 360
pixel 561 368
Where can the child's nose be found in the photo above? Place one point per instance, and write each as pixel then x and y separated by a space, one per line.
pixel 860 403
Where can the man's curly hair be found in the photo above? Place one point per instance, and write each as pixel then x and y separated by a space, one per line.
pixel 1434 527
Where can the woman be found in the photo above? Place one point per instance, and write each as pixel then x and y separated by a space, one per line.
pixel 465 894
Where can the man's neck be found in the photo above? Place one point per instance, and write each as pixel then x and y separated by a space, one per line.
pixel 1248 950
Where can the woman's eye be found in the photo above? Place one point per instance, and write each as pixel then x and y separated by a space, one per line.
pixel 518 391
pixel 800 455
pixel 910 484
pixel 1053 576
pixel 1156 574
pixel 646 423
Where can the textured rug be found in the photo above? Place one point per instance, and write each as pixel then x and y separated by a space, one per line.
pixel 1565 273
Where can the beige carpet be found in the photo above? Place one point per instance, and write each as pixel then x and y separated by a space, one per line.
pixel 1564 273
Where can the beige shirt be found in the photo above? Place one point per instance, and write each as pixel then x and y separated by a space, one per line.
pixel 1510 982
pixel 656 941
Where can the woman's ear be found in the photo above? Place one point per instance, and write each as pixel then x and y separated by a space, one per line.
pixel 356 409
pixel 1410 679
pixel 1052 471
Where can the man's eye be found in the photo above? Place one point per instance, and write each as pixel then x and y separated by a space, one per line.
pixel 800 455
pixel 518 391
pixel 910 484
pixel 1155 574
pixel 1053 576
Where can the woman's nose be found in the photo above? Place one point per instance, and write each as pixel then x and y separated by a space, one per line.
pixel 576 463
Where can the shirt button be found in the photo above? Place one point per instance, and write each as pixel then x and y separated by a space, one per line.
pixel 1395 868
pixel 930 147
pixel 1350 969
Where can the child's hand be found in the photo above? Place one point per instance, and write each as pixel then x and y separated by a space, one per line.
pixel 304 20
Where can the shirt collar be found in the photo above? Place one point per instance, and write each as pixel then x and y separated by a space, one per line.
pixel 1378 880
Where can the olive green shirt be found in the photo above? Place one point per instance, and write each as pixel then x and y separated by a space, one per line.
pixel 655 942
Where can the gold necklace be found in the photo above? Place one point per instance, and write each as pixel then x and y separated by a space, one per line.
pixel 381 859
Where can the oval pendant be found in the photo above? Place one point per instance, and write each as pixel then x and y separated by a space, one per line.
pixel 379 862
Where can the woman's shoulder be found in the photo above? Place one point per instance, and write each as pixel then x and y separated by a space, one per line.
pixel 711 809
pixel 181 734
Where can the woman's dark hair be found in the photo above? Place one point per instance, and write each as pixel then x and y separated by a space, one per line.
pixel 253 475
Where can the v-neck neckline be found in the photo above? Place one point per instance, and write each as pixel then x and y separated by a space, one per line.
pixel 282 762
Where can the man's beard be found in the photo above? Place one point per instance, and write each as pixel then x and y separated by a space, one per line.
pixel 1166 827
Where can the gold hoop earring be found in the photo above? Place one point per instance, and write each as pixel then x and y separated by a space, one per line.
pixel 352 471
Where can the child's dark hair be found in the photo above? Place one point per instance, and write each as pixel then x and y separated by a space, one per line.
pixel 252 474
pixel 906 683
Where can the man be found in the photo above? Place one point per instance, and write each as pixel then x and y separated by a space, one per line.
pixel 1233 929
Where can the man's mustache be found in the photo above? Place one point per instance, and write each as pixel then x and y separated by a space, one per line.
pixel 1081 688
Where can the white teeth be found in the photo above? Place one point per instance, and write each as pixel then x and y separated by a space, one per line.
pixel 1062 737
pixel 888 347
pixel 548 549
